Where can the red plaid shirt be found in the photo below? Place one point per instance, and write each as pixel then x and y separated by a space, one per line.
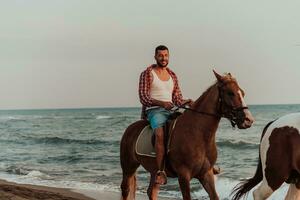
pixel 145 85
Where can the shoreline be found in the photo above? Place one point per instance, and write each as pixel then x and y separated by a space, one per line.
pixel 16 191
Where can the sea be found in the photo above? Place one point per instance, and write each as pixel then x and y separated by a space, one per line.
pixel 79 149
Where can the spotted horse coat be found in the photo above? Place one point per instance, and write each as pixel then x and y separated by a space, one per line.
pixel 279 160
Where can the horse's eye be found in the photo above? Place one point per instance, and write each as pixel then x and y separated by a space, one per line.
pixel 230 93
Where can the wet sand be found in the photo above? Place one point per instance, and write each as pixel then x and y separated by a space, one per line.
pixel 14 191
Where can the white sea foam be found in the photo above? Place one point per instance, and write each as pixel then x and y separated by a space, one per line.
pixel 21 117
pixel 7 118
pixel 103 117
pixel 38 178
pixel 224 187
pixel 3 165
pixel 36 175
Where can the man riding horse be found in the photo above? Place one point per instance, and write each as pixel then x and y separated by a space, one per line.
pixel 192 149
pixel 159 91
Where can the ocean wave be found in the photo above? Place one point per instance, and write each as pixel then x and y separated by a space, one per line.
pixel 37 178
pixel 26 173
pixel 59 140
pixel 237 144
pixel 50 117
pixel 12 141
pixel 22 117
pixel 103 117
pixel 224 186
pixel 16 170
pixel 14 120
pixel 9 118
pixel 56 117
pixel 69 159
pixel 37 174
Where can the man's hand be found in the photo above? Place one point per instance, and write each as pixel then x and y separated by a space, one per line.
pixel 167 105
pixel 188 102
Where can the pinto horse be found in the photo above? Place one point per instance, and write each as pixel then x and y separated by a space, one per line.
pixel 279 160
pixel 192 150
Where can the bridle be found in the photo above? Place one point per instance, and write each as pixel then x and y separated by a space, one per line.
pixel 233 114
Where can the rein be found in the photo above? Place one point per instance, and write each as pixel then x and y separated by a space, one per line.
pixel 199 112
pixel 233 117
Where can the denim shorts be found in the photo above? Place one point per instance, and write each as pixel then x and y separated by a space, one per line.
pixel 157 117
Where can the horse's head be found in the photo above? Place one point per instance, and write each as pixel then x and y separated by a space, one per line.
pixel 231 102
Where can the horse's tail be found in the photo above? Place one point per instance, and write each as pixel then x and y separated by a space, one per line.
pixel 245 186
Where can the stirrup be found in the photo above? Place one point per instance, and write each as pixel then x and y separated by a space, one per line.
pixel 161 173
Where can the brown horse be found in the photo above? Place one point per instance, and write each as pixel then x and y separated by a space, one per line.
pixel 192 150
pixel 279 160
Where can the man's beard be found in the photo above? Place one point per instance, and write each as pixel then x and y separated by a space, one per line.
pixel 162 65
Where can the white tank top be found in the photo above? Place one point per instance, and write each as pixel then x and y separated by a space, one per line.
pixel 161 90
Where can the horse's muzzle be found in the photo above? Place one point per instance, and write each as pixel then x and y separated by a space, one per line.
pixel 248 120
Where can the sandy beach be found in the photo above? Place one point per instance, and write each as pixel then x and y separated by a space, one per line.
pixel 14 191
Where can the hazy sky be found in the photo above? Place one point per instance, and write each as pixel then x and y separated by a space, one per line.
pixel 57 54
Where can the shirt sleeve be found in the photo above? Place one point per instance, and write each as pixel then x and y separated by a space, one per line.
pixel 176 95
pixel 144 89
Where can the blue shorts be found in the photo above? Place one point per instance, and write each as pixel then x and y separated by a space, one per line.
pixel 157 117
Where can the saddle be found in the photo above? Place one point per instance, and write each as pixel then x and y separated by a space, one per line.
pixel 146 139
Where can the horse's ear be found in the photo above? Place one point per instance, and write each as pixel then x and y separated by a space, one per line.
pixel 218 76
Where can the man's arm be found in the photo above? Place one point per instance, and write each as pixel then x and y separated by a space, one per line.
pixel 177 97
pixel 144 89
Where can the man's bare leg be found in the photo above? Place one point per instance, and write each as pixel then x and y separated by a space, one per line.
pixel 161 177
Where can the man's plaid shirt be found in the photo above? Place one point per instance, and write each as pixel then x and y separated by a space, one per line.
pixel 145 85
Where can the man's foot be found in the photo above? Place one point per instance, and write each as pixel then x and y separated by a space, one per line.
pixel 161 178
pixel 216 170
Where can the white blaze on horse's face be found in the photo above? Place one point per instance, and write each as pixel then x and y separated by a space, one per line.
pixel 248 116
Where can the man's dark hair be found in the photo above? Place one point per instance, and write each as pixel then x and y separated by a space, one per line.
pixel 160 48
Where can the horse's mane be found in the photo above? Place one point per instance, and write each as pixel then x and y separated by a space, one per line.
pixel 227 79
pixel 204 94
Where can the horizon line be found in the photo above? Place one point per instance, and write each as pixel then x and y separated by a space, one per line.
pixel 121 107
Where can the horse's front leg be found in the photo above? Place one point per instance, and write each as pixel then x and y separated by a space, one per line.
pixel 184 183
pixel 208 182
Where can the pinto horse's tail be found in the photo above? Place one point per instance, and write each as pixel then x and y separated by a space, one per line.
pixel 245 186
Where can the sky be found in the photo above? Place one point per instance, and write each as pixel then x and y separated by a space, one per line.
pixel 81 54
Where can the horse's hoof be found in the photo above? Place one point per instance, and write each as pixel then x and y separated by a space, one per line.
pixel 161 178
pixel 216 170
